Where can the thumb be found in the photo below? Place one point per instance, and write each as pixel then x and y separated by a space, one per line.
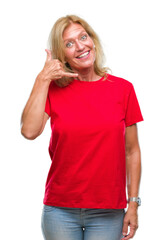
pixel 125 229
pixel 49 55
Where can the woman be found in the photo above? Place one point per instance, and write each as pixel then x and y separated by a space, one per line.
pixel 94 145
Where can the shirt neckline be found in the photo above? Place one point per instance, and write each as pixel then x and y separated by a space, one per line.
pixel 77 80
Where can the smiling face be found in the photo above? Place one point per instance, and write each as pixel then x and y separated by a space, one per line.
pixel 78 47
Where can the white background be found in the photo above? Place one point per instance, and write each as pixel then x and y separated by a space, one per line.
pixel 131 33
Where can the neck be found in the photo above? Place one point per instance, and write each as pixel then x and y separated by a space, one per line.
pixel 87 75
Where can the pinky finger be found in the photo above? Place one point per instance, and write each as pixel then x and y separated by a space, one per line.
pixel 67 74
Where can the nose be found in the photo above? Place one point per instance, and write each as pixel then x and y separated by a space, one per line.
pixel 79 46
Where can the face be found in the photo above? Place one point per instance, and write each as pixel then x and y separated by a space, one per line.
pixel 78 47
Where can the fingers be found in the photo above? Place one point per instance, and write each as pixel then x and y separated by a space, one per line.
pixel 67 74
pixel 49 55
pixel 130 235
pixel 55 67
pixel 125 228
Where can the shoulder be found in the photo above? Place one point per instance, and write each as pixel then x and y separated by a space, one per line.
pixel 119 81
pixel 52 87
pixel 52 84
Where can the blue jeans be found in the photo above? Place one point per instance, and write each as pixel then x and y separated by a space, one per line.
pixel 63 223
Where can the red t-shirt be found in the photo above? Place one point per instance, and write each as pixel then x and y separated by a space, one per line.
pixel 87 145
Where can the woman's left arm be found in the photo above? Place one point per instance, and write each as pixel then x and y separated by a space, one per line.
pixel 133 173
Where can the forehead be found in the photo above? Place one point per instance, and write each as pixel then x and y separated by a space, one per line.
pixel 72 31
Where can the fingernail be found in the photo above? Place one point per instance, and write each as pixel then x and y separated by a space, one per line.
pixel 124 233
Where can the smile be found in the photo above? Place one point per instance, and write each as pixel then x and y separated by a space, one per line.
pixel 84 55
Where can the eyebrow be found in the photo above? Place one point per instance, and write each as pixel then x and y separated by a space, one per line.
pixel 78 35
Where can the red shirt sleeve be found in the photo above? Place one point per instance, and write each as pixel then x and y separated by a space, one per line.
pixel 133 111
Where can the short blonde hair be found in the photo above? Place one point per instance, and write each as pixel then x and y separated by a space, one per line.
pixel 56 45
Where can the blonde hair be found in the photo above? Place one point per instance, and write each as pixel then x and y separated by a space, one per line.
pixel 56 46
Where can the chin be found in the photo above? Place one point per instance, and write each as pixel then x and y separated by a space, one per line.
pixel 83 65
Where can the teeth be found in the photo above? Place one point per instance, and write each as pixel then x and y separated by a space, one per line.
pixel 83 55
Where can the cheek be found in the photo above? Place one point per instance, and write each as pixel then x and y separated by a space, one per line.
pixel 90 42
pixel 69 53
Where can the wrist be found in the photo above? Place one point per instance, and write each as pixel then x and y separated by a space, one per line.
pixel 133 205
pixel 134 202
pixel 42 78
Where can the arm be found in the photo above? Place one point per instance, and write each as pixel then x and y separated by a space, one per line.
pixel 33 117
pixel 133 172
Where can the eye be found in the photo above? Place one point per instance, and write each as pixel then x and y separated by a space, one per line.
pixel 69 44
pixel 84 37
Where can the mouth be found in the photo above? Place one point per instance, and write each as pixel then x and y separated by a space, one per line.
pixel 83 55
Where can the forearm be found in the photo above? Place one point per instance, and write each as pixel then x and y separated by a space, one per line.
pixel 33 114
pixel 133 170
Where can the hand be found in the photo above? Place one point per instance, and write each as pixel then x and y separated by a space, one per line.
pixel 53 69
pixel 130 219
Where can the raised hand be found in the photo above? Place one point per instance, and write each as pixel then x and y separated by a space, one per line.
pixel 53 69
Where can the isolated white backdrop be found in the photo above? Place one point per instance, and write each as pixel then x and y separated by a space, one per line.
pixel 131 33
